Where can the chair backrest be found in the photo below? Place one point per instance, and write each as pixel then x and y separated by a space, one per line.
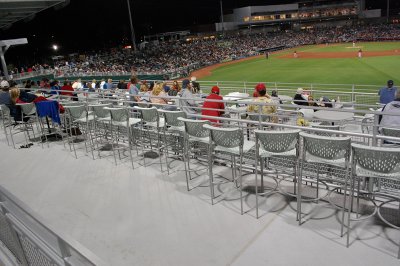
pixel 28 108
pixel 391 132
pixel 194 128
pixel 337 128
pixel 100 111
pixel 149 115
pixel 277 141
pixel 171 118
pixel 328 148
pixel 376 161
pixel 226 137
pixel 118 114
pixel 5 110
pixel 258 117
pixel 77 112
pixel 71 103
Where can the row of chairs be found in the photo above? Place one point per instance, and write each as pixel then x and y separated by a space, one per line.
pixel 285 151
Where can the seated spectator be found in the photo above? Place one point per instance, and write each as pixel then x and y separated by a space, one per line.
pixel 325 102
pixel 263 98
pixel 122 85
pixel 5 93
pixel 387 94
pixel 156 96
pixel 133 88
pixel 54 87
pixel 144 95
pixel 392 107
pixel 109 85
pixel 67 89
pixel 195 85
pixel 187 102
pixel 218 107
pixel 275 98
pixel 175 89
pixel 311 102
pixel 299 98
pixel 77 85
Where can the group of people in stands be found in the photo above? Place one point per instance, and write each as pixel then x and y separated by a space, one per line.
pixel 160 95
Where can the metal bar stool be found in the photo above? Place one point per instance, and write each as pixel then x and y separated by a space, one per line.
pixel 281 146
pixel 323 151
pixel 229 141
pixel 377 164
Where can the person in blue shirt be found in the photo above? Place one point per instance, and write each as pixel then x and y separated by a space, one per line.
pixel 55 88
pixel 387 94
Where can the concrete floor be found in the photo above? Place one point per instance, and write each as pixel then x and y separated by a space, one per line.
pixel 144 217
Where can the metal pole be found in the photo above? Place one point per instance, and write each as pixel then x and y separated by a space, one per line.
pixel 222 18
pixel 131 24
pixel 387 11
pixel 3 50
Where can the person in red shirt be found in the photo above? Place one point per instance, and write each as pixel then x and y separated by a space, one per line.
pixel 67 89
pixel 218 107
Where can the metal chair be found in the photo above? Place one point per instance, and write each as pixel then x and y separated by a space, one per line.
pixel 391 132
pixel 29 118
pixel 322 151
pixel 229 141
pixel 327 127
pixel 100 123
pixel 151 124
pixel 78 118
pixel 380 164
pixel 7 123
pixel 196 141
pixel 120 119
pixel 281 146
pixel 174 129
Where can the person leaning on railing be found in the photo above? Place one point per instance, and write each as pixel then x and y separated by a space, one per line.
pixel 263 97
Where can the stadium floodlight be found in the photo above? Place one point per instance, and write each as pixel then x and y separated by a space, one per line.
pixel 55 47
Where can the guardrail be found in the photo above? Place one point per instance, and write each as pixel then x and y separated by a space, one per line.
pixel 25 239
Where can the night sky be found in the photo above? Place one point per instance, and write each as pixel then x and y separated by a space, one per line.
pixel 92 24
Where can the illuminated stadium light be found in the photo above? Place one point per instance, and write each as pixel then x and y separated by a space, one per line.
pixel 55 47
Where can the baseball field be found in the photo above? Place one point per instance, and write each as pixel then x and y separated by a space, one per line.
pixel 323 64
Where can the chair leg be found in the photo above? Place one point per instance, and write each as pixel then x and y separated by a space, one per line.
pixel 129 145
pixel 166 150
pixel 210 173
pixel 344 205
pixel 350 207
pixel 256 186
pixel 241 183
pixel 299 187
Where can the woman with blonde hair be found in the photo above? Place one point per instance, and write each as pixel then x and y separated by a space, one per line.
pixel 157 94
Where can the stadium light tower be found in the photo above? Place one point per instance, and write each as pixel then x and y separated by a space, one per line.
pixel 222 18
pixel 131 24
pixel 387 11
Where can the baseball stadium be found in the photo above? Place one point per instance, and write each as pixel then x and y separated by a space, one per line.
pixel 254 132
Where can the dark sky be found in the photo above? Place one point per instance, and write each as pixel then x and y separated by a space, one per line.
pixel 93 24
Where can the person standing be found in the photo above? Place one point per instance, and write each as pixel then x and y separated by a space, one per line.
pixel 360 53
pixel 218 107
pixel 387 94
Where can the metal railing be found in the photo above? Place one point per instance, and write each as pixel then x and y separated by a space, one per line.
pixel 25 239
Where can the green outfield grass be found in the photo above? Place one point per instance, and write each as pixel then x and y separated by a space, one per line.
pixel 365 71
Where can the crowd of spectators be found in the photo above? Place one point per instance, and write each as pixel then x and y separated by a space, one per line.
pixel 178 56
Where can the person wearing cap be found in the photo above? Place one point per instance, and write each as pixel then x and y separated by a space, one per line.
pixel 195 84
pixel 4 93
pixel 186 102
pixel 218 107
pixel 299 98
pixel 263 97
pixel 387 94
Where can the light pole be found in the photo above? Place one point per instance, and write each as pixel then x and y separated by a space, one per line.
pixel 222 18
pixel 387 11
pixel 131 24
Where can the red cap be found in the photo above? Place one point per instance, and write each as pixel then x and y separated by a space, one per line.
pixel 255 94
pixel 260 87
pixel 215 89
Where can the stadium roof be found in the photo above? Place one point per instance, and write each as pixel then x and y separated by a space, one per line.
pixel 12 11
